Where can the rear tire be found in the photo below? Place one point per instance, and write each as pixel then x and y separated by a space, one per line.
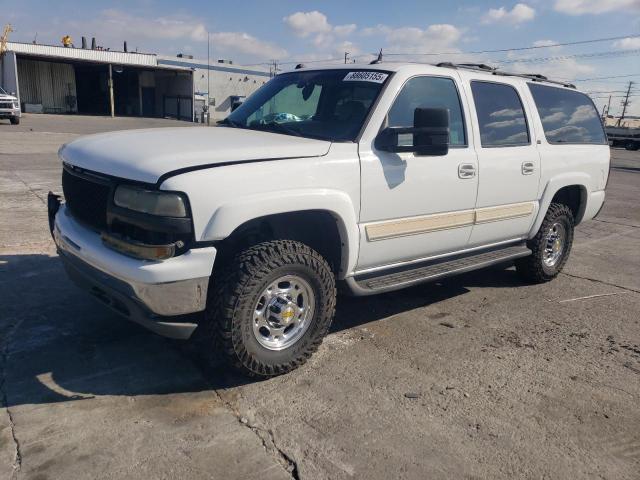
pixel 551 246
pixel 15 120
pixel 270 307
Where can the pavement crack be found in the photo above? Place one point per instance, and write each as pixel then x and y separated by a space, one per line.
pixel 618 223
pixel 628 289
pixel 4 356
pixel 267 438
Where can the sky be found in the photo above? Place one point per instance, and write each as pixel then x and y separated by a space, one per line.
pixel 258 32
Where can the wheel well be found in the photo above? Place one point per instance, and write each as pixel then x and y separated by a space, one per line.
pixel 574 197
pixel 315 228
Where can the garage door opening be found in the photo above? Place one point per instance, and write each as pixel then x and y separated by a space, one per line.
pixel 83 87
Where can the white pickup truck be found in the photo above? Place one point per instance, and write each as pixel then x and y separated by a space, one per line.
pixel 371 177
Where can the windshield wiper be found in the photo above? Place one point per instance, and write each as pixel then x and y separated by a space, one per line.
pixel 231 123
pixel 277 128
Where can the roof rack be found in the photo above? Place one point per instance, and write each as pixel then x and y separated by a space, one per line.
pixel 535 77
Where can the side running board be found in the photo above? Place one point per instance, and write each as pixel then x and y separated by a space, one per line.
pixel 400 277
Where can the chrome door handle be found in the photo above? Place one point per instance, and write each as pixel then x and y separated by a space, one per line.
pixel 466 170
pixel 528 168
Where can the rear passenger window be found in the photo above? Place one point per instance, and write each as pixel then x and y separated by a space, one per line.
pixel 500 115
pixel 429 92
pixel 567 116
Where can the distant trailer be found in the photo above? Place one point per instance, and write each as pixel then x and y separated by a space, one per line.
pixel 628 138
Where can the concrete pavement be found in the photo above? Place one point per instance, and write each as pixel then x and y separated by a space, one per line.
pixel 478 376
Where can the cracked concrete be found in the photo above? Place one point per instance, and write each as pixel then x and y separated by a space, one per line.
pixel 17 454
pixel 477 376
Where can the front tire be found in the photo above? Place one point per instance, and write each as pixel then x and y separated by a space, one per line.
pixel 551 246
pixel 270 308
pixel 14 120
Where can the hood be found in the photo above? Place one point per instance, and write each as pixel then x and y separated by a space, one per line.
pixel 146 155
pixel 7 97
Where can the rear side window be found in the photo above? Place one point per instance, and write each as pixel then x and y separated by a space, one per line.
pixel 429 92
pixel 500 115
pixel 567 116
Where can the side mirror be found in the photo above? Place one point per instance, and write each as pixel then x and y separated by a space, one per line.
pixel 430 134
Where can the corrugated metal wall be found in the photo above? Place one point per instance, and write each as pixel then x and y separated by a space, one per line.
pixel 53 85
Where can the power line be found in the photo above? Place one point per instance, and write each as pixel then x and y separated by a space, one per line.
pixel 593 55
pixel 517 49
pixel 605 78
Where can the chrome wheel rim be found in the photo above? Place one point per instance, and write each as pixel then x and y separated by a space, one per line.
pixel 283 312
pixel 554 246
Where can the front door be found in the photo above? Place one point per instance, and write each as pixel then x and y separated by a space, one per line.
pixel 508 162
pixel 418 206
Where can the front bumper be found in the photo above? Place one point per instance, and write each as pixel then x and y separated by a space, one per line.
pixel 147 292
pixel 10 113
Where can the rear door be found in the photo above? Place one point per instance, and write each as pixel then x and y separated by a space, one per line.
pixel 508 160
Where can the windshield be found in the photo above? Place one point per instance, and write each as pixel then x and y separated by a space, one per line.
pixel 3 92
pixel 325 104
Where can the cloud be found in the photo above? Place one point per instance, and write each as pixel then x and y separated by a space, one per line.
pixel 244 43
pixel 554 117
pixel 121 25
pixel 582 114
pixel 304 24
pixel 506 123
pixel 594 7
pixel 316 26
pixel 544 43
pixel 506 113
pixel 518 14
pixel 412 40
pixel 344 30
pixel 627 43
pixel 567 68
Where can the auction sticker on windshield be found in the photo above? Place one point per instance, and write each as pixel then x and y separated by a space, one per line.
pixel 375 77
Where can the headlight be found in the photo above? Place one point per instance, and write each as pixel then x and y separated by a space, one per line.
pixel 16 105
pixel 163 204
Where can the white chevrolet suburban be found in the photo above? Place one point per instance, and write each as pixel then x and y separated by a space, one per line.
pixel 9 107
pixel 373 178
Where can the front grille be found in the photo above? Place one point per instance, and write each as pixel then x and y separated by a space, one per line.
pixel 86 199
pixel 6 105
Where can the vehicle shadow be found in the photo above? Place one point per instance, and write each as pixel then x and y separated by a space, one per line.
pixel 60 345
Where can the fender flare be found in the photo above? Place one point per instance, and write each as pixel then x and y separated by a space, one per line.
pixel 552 187
pixel 235 213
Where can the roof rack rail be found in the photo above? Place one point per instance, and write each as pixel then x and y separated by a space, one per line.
pixel 471 66
pixel 536 77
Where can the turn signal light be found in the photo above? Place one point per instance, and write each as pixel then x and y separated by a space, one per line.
pixel 139 250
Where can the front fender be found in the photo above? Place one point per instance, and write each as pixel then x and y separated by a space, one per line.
pixel 234 213
pixel 552 187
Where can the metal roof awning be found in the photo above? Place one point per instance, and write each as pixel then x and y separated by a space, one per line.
pixel 144 60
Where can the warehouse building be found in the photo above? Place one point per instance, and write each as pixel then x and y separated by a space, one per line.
pixel 57 79
pixel 224 84
pixel 52 79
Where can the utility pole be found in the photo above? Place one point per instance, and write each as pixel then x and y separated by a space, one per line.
pixel 625 103
pixel 208 78
pixel 605 110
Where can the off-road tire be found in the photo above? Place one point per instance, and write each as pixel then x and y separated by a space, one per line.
pixel 532 269
pixel 231 304
pixel 14 120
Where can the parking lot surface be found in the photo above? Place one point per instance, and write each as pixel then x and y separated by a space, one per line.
pixel 477 376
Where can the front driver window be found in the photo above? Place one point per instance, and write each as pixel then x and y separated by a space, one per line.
pixel 429 92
